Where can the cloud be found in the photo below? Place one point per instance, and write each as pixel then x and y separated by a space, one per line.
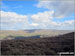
pixel 62 8
pixel 69 22
pixel 12 19
pixel 45 20
pixel 43 17
pixel 64 23
pixel 34 24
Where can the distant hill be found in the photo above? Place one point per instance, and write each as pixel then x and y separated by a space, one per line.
pixel 32 30
pixel 39 46
pixel 4 34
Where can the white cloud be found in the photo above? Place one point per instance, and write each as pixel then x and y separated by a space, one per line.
pixel 64 23
pixel 57 8
pixel 13 20
pixel 69 22
pixel 43 17
pixel 62 8
pixel 34 24
pixel 12 17
pixel 45 20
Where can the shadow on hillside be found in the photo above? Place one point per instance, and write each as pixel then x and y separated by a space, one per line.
pixel 38 46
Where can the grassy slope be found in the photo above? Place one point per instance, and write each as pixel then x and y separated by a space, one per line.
pixel 4 34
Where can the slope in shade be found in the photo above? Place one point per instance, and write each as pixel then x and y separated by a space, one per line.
pixel 39 46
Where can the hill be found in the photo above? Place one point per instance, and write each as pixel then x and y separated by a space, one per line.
pixel 4 34
pixel 39 46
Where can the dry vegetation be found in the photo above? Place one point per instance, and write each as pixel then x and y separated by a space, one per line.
pixel 38 46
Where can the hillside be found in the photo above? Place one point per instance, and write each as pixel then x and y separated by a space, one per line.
pixel 39 46
pixel 4 34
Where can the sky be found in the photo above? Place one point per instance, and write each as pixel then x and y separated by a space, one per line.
pixel 50 14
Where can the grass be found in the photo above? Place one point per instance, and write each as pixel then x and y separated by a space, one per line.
pixel 4 34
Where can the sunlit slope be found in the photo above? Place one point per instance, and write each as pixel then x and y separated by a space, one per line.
pixel 42 33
